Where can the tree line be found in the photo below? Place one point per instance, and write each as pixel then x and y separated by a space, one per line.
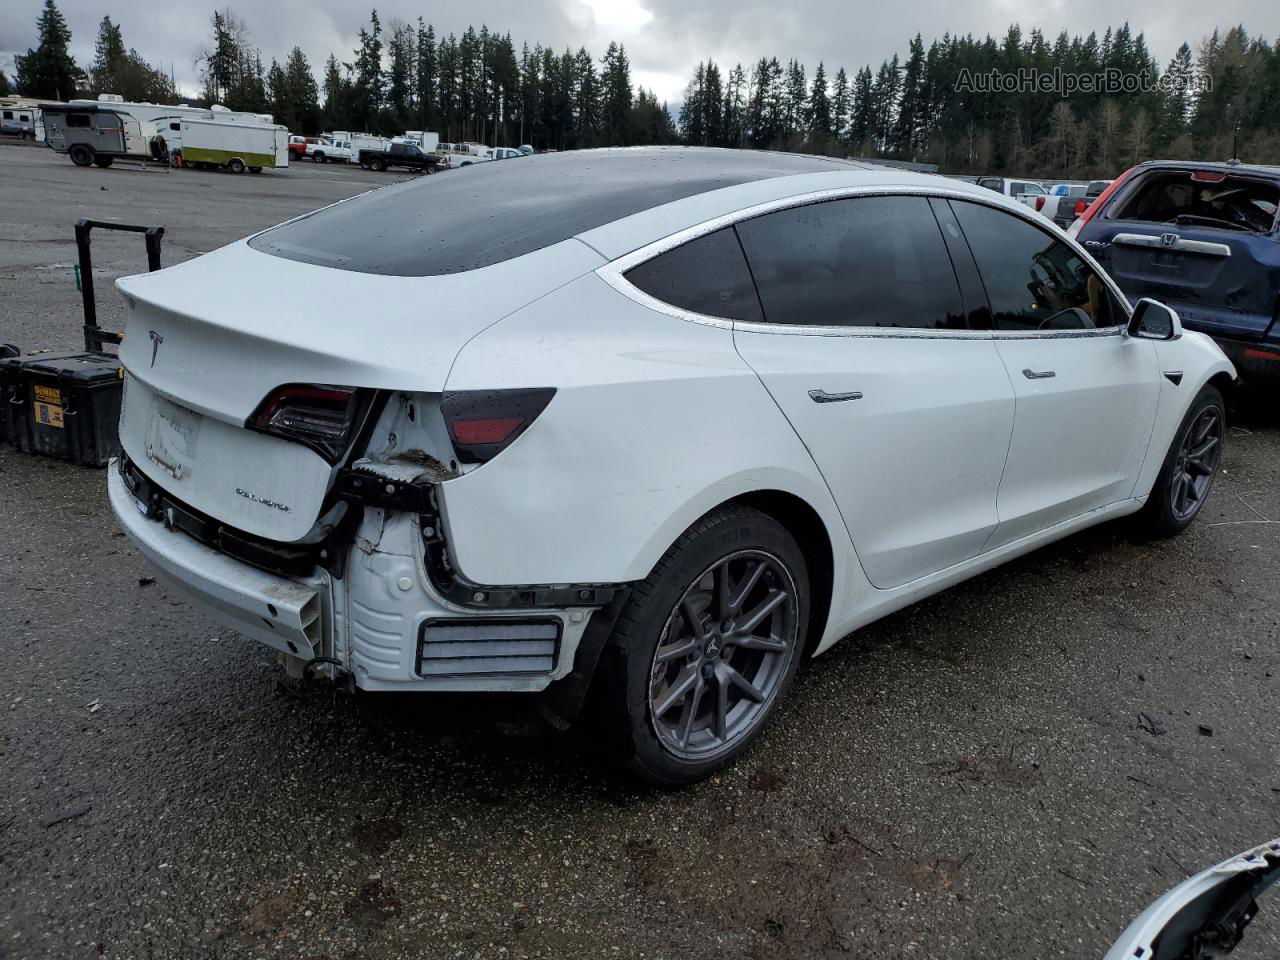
pixel 949 103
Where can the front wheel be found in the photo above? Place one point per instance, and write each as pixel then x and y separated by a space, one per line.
pixel 1186 477
pixel 707 645
pixel 376 165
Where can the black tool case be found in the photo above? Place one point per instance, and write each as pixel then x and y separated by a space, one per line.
pixel 63 405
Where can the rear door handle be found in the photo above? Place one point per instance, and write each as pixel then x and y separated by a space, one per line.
pixel 1038 374
pixel 821 396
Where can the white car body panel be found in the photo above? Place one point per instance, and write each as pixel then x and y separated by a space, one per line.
pixel 917 487
pixel 1080 435
pixel 616 433
pixel 658 418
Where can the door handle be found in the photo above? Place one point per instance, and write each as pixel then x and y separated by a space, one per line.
pixel 1038 374
pixel 821 396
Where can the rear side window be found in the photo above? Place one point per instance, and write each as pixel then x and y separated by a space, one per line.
pixel 77 120
pixel 8 114
pixel 1202 198
pixel 1033 281
pixel 860 262
pixel 708 275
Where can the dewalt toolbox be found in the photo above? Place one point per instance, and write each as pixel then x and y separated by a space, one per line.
pixel 64 405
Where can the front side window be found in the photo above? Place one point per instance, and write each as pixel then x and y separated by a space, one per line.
pixel 1033 281
pixel 858 262
pixel 708 275
pixel 77 120
pixel 8 114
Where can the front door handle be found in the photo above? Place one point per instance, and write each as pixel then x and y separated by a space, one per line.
pixel 821 396
pixel 1038 374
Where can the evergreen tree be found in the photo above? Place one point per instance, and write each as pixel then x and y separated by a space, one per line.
pixel 819 109
pixel 367 84
pixel 400 78
pixel 48 72
pixel 841 105
pixel 425 76
pixel 616 96
pixel 6 88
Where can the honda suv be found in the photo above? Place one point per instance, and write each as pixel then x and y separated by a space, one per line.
pixel 1203 238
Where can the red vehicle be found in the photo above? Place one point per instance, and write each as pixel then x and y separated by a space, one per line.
pixel 298 145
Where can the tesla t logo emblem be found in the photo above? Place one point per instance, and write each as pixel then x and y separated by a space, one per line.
pixel 156 340
pixel 1168 239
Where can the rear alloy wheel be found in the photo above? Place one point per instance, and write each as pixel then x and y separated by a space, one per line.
pixel 706 646
pixel 236 165
pixel 1192 461
pixel 80 155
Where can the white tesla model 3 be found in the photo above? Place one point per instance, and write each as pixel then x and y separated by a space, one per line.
pixel 662 420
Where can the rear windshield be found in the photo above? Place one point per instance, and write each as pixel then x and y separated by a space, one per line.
pixel 486 213
pixel 1203 198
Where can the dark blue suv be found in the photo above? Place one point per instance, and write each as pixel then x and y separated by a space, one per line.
pixel 1205 239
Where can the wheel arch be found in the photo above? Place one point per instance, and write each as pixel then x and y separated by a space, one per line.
pixel 805 524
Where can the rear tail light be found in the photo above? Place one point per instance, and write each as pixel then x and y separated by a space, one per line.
pixel 1039 204
pixel 1095 208
pixel 483 423
pixel 1081 206
pixel 317 415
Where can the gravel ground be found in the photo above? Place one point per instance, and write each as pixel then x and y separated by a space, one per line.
pixel 1013 768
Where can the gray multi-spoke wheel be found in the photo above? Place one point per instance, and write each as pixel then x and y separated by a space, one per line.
pixel 723 654
pixel 1186 476
pixel 1197 460
pixel 705 647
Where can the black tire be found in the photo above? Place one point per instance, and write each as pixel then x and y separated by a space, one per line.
pixel 631 675
pixel 236 165
pixel 317 157
pixel 1189 467
pixel 376 165
pixel 80 155
pixel 431 168
pixel 103 162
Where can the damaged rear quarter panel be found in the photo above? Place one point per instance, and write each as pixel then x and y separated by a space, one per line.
pixel 656 420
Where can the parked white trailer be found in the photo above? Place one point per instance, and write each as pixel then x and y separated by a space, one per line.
pixel 233 145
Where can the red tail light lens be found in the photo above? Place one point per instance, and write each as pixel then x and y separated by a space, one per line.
pixel 1081 206
pixel 317 415
pixel 1039 204
pixel 483 423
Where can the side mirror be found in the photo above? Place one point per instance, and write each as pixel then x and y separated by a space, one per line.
pixel 1152 320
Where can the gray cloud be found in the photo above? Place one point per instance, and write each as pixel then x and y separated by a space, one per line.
pixel 665 38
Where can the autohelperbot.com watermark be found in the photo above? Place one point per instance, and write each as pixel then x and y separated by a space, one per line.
pixel 1111 81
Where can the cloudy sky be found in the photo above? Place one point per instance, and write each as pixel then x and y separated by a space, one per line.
pixel 665 38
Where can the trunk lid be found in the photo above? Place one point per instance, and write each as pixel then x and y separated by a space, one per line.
pixel 207 340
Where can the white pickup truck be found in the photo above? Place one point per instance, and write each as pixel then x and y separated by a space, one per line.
pixel 337 150
pixel 1017 189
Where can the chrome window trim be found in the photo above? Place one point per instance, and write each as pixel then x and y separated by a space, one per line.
pixel 614 272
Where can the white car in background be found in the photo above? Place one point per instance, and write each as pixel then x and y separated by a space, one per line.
pixel 676 419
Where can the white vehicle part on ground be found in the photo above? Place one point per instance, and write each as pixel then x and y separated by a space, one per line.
pixel 1195 916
